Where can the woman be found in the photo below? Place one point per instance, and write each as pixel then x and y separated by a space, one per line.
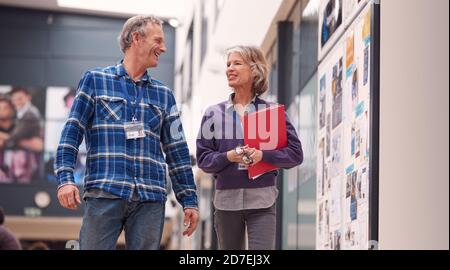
pixel 240 203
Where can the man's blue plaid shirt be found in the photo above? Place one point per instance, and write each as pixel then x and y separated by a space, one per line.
pixel 117 165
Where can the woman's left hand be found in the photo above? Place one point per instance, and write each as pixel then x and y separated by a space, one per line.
pixel 255 154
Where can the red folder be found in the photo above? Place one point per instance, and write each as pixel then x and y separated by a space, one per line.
pixel 265 129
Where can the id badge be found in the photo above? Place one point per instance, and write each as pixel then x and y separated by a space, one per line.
pixel 242 167
pixel 134 130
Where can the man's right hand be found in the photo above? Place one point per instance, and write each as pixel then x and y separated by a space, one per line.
pixel 69 196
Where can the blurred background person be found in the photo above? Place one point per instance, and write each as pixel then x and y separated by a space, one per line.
pixel 68 99
pixel 39 245
pixel 7 239
pixel 21 141
pixel 28 121
pixel 7 115
pixel 6 125
pixel 80 166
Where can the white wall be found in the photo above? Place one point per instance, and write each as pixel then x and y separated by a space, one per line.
pixel 414 125
pixel 235 25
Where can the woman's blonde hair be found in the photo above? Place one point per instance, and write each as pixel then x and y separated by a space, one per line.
pixel 258 65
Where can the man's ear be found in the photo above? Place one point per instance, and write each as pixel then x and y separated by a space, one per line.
pixel 135 37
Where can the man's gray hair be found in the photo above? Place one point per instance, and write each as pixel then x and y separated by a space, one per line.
pixel 135 24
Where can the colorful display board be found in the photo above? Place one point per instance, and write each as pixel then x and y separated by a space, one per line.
pixel 344 146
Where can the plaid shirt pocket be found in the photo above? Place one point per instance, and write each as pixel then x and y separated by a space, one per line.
pixel 111 108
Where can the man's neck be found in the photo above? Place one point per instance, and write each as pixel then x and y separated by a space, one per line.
pixel 133 67
pixel 23 110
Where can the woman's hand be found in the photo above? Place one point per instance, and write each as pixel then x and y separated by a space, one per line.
pixel 255 154
pixel 233 156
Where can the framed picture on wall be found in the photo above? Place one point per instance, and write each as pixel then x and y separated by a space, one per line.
pixel 21 134
pixel 331 19
pixel 330 24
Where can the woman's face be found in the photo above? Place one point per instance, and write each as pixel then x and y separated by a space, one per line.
pixel 239 73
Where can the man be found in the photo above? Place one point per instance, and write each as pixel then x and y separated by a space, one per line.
pixel 28 123
pixel 6 119
pixel 7 240
pixel 6 126
pixel 128 120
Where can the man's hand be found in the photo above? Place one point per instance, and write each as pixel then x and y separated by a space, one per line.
pixel 190 220
pixel 69 196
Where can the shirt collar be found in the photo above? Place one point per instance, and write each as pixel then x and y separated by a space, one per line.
pixel 121 72
pixel 230 103
pixel 23 110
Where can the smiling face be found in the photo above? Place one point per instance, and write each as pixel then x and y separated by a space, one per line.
pixel 6 111
pixel 20 99
pixel 151 46
pixel 239 73
pixel 6 114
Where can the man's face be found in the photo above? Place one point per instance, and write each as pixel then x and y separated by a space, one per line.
pixel 6 112
pixel 19 99
pixel 152 45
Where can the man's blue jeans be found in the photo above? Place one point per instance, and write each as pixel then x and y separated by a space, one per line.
pixel 104 220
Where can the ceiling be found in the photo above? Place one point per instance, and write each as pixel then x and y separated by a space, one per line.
pixel 165 9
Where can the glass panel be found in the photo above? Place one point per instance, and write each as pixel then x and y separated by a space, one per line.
pixel 272 94
pixel 290 192
pixel 307 171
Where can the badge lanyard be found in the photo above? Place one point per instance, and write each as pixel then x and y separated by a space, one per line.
pixel 135 104
pixel 133 129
